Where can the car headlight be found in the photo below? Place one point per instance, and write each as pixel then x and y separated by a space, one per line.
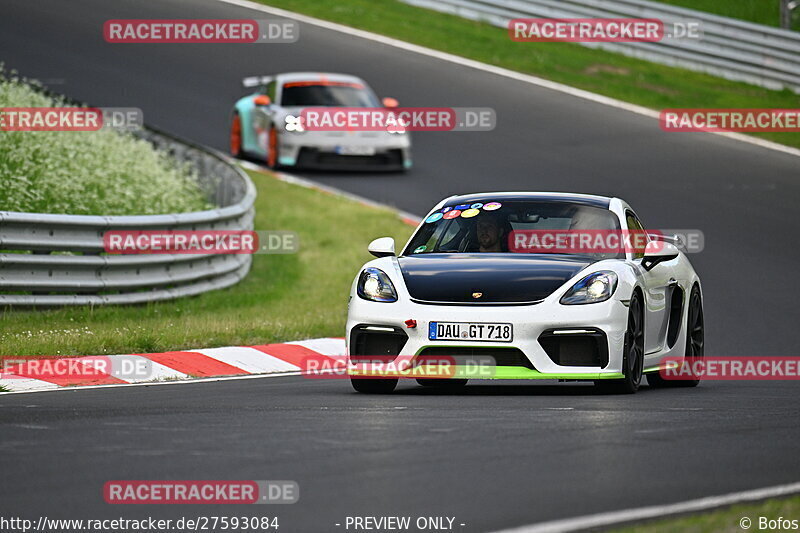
pixel 375 285
pixel 594 288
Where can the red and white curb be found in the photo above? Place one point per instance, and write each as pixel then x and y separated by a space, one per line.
pixel 267 359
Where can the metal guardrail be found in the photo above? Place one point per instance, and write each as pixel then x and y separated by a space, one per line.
pixel 729 48
pixel 59 258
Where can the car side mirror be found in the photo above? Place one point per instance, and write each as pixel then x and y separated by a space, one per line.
pixel 381 247
pixel 262 100
pixel 658 251
pixel 390 102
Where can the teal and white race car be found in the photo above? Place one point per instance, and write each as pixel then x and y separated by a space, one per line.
pixel 263 125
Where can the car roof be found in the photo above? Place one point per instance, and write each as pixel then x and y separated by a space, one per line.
pixel 583 199
pixel 317 76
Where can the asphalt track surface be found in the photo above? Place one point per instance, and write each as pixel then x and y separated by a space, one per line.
pixel 492 456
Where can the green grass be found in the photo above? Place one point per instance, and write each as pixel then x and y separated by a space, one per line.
pixel 758 11
pixel 647 84
pixel 86 173
pixel 723 520
pixel 285 297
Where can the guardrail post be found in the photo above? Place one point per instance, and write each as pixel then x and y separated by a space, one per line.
pixel 787 6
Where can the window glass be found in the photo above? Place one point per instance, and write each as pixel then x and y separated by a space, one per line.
pixel 634 225
pixel 473 228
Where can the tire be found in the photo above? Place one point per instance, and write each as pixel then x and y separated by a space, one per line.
pixel 632 353
pixel 272 149
pixel 236 136
pixel 373 386
pixel 695 337
pixel 445 383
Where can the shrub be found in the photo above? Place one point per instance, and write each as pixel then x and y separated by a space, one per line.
pixel 86 173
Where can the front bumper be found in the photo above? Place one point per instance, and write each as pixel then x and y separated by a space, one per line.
pixel 534 327
pixel 318 150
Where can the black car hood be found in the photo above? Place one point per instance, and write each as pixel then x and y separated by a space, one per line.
pixel 512 278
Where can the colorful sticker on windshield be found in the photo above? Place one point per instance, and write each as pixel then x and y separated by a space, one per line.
pixel 469 213
pixel 446 209
pixel 420 249
pixel 462 207
pixel 492 206
pixel 452 214
pixel 434 217
pixel 476 206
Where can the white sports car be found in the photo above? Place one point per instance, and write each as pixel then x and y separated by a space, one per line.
pixel 463 288
pixel 259 125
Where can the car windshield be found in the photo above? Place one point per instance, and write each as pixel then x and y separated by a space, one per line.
pixel 516 226
pixel 304 94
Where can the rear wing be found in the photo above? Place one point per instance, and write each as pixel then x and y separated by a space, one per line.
pixel 256 81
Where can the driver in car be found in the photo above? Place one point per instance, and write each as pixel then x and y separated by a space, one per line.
pixel 490 234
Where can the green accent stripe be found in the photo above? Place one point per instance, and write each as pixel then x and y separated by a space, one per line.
pixel 488 372
pixel 517 372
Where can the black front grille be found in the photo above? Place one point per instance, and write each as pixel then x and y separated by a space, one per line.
pixel 377 345
pixel 576 349
pixel 477 356
pixel 313 158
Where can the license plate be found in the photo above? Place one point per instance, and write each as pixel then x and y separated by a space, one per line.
pixel 355 150
pixel 470 331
